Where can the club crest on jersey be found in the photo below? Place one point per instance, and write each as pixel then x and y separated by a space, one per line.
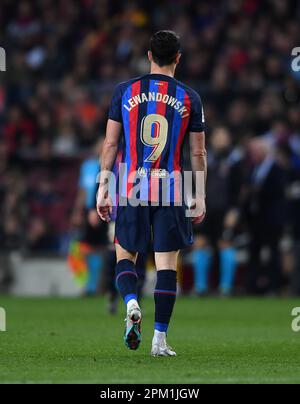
pixel 157 97
pixel 142 171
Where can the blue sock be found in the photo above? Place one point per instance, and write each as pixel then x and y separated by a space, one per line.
pixel 126 280
pixel 228 269
pixel 94 263
pixel 201 264
pixel 164 297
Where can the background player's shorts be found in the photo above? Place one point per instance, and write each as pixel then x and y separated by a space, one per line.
pixel 166 226
pixel 95 236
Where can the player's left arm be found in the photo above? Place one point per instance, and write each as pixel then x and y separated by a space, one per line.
pixel 109 154
pixel 198 155
pixel 199 165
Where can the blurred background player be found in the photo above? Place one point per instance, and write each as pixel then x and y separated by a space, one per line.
pixel 93 232
pixel 109 272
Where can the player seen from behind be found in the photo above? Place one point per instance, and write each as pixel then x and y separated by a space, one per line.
pixel 154 113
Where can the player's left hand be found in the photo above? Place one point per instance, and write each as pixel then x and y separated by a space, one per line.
pixel 104 204
pixel 199 210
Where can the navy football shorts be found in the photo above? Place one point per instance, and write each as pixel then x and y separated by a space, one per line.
pixel 166 226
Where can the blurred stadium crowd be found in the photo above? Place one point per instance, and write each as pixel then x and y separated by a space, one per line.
pixel 63 61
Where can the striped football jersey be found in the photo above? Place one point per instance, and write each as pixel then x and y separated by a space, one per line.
pixel 156 112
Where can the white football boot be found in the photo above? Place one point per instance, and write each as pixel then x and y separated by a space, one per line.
pixel 133 336
pixel 160 346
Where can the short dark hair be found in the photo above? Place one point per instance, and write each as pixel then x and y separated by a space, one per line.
pixel 164 46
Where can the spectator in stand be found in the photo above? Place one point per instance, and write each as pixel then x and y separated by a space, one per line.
pixel 265 212
pixel 40 239
pixel 216 234
pixel 19 132
pixel 292 161
pixel 11 234
pixel 66 143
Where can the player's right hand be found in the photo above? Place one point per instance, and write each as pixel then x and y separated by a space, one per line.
pixel 104 204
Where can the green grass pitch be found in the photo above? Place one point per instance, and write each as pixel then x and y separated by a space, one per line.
pixel 217 341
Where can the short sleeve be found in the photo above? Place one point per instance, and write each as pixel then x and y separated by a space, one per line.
pixel 197 121
pixel 115 112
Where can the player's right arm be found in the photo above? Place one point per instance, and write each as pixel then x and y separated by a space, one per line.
pixel 109 154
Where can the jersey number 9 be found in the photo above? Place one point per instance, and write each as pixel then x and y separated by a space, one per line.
pixel 159 141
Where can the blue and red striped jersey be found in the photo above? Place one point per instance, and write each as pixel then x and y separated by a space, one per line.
pixel 156 112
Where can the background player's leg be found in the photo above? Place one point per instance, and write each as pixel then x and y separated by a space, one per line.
pixel 141 264
pixel 95 265
pixel 202 258
pixel 227 269
pixel 110 283
pixel 164 297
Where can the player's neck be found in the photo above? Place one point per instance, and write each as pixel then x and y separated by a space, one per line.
pixel 165 70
